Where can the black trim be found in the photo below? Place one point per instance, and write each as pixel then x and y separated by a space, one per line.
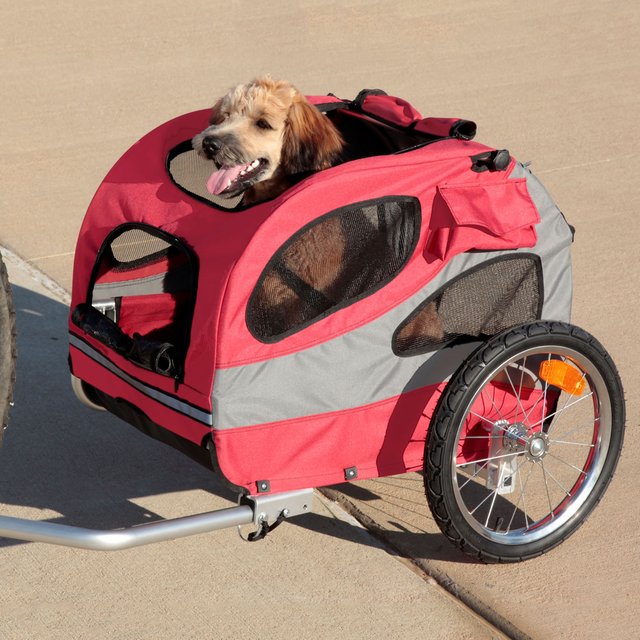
pixel 145 384
pixel 408 353
pixel 137 418
pixel 416 222
pixel 358 101
pixel 192 260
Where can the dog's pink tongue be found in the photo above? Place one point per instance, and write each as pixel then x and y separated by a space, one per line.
pixel 219 179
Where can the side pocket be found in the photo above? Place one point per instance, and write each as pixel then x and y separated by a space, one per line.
pixel 488 217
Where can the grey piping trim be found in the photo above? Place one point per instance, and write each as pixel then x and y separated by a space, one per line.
pixel 359 368
pixel 151 392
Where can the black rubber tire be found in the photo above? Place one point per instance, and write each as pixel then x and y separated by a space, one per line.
pixel 7 348
pixel 451 412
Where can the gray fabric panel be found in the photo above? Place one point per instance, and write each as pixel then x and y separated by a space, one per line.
pixel 155 394
pixel 170 282
pixel 554 248
pixel 355 371
pixel 359 367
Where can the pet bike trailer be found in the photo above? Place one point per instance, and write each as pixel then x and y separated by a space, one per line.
pixel 404 310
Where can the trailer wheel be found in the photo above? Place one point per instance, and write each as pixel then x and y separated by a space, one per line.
pixel 7 348
pixel 524 441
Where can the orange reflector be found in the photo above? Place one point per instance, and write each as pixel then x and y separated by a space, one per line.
pixel 563 375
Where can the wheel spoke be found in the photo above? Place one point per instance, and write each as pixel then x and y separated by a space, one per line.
pixel 546 486
pixel 577 444
pixel 578 428
pixel 483 418
pixel 584 375
pixel 483 501
pixel 533 408
pixel 567 406
pixel 495 491
pixel 522 370
pixel 546 387
pixel 584 473
pixel 470 478
pixel 493 502
pixel 493 424
pixel 484 390
pixel 524 506
pixel 556 481
pixel 517 395
pixel 504 455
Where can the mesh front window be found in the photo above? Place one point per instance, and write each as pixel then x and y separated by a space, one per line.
pixel 484 301
pixel 331 263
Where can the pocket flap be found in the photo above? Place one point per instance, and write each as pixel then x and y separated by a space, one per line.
pixel 488 217
pixel 498 208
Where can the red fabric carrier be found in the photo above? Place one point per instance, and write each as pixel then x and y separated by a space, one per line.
pixel 320 389
pixel 389 108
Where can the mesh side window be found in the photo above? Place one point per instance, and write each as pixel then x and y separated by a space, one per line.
pixel 331 263
pixel 481 302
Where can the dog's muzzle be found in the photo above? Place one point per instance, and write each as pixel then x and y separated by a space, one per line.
pixel 211 146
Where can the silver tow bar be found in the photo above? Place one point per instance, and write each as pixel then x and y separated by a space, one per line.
pixel 262 511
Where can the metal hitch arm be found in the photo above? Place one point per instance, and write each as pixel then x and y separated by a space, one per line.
pixel 253 509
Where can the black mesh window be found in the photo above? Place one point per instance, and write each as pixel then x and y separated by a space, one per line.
pixel 331 263
pixel 481 302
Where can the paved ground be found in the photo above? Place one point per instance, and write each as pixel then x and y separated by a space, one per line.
pixel 556 84
pixel 318 576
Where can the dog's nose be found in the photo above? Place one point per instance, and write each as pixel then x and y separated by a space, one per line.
pixel 211 145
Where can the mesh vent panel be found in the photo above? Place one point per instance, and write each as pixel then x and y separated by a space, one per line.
pixel 480 303
pixel 331 263
pixel 136 246
pixel 190 171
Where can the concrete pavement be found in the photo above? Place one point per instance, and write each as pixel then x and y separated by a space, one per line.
pixel 556 84
pixel 317 576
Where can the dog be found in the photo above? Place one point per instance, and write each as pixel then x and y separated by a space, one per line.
pixel 262 136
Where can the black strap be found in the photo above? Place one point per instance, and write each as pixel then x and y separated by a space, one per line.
pixel 309 294
pixel 361 97
pixel 265 528
pixel 325 107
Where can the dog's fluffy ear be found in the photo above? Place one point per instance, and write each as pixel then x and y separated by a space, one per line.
pixel 311 142
pixel 215 116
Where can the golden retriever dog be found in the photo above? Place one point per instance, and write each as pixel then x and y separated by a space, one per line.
pixel 261 135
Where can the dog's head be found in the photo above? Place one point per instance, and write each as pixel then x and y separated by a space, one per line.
pixel 263 128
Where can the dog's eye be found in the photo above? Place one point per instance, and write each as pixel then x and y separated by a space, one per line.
pixel 263 124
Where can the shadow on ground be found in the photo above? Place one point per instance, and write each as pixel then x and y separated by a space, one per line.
pixel 90 466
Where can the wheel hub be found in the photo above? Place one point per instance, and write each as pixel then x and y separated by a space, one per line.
pixel 515 437
pixel 537 447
